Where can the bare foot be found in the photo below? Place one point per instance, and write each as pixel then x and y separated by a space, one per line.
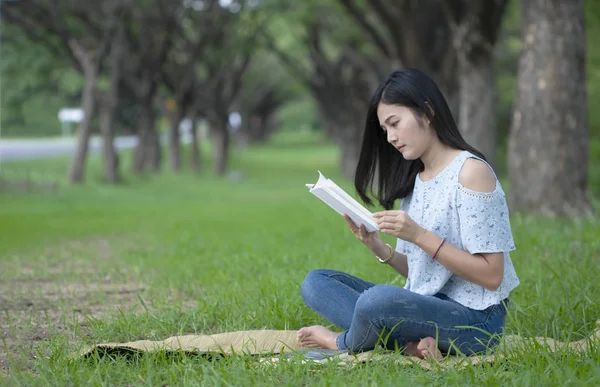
pixel 317 336
pixel 426 348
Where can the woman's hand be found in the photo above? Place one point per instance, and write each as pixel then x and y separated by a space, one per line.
pixel 398 224
pixel 370 239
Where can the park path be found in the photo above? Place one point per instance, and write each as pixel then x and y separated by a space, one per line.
pixel 28 149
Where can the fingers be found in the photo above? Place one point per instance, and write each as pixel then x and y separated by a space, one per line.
pixel 385 219
pixel 389 228
pixel 399 220
pixel 392 217
pixel 350 223
pixel 392 214
pixel 389 224
pixel 381 214
pixel 362 231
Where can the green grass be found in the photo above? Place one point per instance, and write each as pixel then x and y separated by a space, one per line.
pixel 194 253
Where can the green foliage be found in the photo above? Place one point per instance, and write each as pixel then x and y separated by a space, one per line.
pixel 35 85
pixel 216 255
pixel 276 78
pixel 298 116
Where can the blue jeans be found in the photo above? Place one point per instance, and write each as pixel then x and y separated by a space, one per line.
pixel 391 316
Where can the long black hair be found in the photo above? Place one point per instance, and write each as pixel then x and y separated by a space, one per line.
pixel 395 175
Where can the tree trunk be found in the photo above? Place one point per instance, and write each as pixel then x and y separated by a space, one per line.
pixel 220 145
pixel 350 152
pixel 138 154
pixel 109 109
pixel 452 96
pixel 77 170
pixel 262 125
pixel 548 145
pixel 477 108
pixel 147 153
pixel 110 157
pixel 475 25
pixel 154 155
pixel 195 145
pixel 175 140
pixel 346 130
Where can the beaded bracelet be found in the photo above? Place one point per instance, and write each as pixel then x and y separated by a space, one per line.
pixel 438 250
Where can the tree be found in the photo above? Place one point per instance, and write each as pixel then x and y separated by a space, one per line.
pixel 33 76
pixel 548 144
pixel 193 35
pixel 108 102
pixel 85 39
pixel 453 42
pixel 150 34
pixel 262 95
pixel 409 34
pixel 334 65
pixel 224 64
pixel 475 27
pixel 220 90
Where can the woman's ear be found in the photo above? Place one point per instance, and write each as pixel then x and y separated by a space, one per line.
pixel 425 119
pixel 431 111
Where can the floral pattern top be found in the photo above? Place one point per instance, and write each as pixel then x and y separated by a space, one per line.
pixel 477 222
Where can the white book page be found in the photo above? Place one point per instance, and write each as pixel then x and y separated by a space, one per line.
pixel 359 217
pixel 336 198
pixel 322 180
pixel 351 201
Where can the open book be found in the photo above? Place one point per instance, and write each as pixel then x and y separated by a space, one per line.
pixel 336 198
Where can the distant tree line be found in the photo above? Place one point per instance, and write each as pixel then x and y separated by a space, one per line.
pixel 203 59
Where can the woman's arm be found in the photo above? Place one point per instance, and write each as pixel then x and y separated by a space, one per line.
pixel 398 261
pixel 374 243
pixel 486 269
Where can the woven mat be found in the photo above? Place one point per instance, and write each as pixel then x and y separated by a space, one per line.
pixel 283 342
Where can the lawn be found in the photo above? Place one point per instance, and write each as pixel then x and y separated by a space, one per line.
pixel 183 253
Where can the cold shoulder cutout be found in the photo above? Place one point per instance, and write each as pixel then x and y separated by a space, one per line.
pixel 477 175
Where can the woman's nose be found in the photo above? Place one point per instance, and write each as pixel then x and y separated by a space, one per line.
pixel 391 137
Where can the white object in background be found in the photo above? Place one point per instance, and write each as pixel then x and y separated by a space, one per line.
pixel 235 121
pixel 68 115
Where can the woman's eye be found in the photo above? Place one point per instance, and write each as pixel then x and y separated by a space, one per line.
pixel 394 124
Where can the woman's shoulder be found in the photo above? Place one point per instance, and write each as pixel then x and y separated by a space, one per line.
pixel 476 175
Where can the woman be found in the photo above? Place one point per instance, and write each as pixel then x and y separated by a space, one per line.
pixel 453 236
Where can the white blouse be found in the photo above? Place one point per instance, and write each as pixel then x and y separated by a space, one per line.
pixel 476 222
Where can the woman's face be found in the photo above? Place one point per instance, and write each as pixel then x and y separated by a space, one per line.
pixel 406 132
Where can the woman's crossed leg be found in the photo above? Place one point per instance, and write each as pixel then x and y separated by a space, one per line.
pixel 393 317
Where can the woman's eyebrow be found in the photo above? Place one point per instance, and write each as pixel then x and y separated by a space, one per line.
pixel 387 120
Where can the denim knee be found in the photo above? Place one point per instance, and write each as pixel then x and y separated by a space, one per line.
pixel 310 288
pixel 373 302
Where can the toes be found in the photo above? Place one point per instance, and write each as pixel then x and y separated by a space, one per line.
pixel 302 334
pixel 308 344
pixel 427 343
pixel 428 348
